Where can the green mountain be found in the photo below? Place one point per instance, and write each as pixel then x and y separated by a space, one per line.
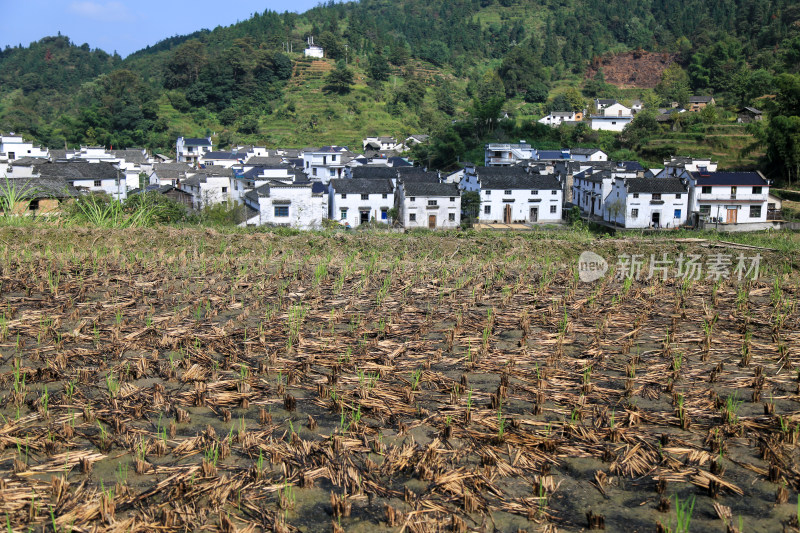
pixel 411 66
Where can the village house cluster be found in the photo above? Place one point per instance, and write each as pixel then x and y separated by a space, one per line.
pixel 518 184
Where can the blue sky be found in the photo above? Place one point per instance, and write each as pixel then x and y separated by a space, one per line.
pixel 125 25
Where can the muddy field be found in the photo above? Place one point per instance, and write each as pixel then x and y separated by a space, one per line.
pixel 178 380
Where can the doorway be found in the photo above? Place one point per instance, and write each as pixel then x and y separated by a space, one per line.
pixel 732 215
pixel 656 219
pixel 534 214
pixel 364 218
pixel 507 214
pixel 432 221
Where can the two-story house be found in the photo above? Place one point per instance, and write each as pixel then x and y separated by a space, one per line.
pixel 512 195
pixel 359 201
pixel 211 186
pixel 727 199
pixel 189 150
pixel 429 205
pixel 507 155
pixel 85 176
pixel 647 203
pixel 326 163
pixel 13 146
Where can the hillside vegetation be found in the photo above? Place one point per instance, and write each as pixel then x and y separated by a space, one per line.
pixel 407 66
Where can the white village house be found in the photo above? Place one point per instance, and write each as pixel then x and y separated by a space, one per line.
pixel 512 195
pixel 85 176
pixel 647 203
pixel 212 185
pixel 429 205
pixel 730 200
pixel 326 163
pixel 300 205
pixel 14 147
pixel 556 118
pixel 353 202
pixel 189 150
pixel 506 155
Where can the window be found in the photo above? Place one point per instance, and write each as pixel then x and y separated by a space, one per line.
pixel 412 217
pixel 553 208
pixel 365 196
pixel 506 192
pixel 755 211
pixel 487 210
pixel 656 196
pixel 98 183
pixel 344 196
pixel 281 210
pixel 314 171
pixel 11 155
pixel 384 196
pixel 554 192
pixel 224 190
pixel 706 190
pixel 343 214
pixel 488 193
pixel 634 213
pixel 705 209
pixel 636 195
pixel 678 196
pixel 733 191
pixel 756 190
pixel 34 205
pixel 411 198
pixel 451 217
pixel 432 202
pixel 332 172
pixel 452 198
pixel 534 193
pixel 677 213
pixel 384 214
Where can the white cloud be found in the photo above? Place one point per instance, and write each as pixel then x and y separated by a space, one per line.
pixel 109 11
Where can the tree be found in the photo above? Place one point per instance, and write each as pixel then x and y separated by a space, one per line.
pixel 340 79
pixel 378 68
pixel 183 68
pixel 674 85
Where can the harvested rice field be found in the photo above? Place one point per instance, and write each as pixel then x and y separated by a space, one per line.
pixel 187 380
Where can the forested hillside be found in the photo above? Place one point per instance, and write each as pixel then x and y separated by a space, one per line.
pixel 396 67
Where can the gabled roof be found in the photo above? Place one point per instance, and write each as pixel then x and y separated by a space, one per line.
pixel 131 155
pixel 374 172
pixel 171 171
pixel 584 151
pixel 361 186
pixel 397 161
pixel 606 101
pixel 752 110
pixel 552 154
pixel 700 99
pixel 39 188
pixel 77 170
pixel 196 142
pixel 263 161
pixel 516 178
pixel 655 185
pixel 729 178
pixel 417 174
pixel 224 155
pixel 430 189
pixel 327 150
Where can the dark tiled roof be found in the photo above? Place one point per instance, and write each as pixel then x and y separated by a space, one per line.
pixel 606 101
pixel 408 174
pixel 224 155
pixel 77 170
pixel 700 99
pixel 38 188
pixel 196 142
pixel 266 161
pixel 215 171
pixel 729 178
pixel 171 171
pixel 361 186
pixel 655 185
pixel 131 155
pixel 430 189
pixel 584 151
pixel 519 181
pixel 373 172
pixel 752 110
